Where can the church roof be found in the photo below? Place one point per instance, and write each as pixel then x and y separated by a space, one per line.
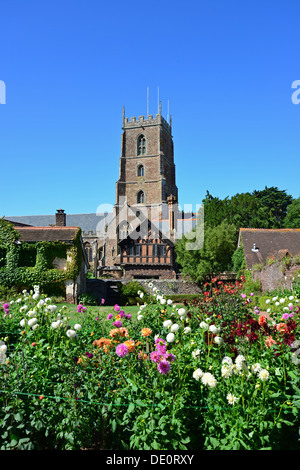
pixel 93 222
pixel 87 222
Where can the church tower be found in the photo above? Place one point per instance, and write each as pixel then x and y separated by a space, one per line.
pixel 147 169
pixel 136 242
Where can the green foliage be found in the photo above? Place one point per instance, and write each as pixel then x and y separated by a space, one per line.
pixel 214 257
pixel 238 261
pixel 276 203
pixel 292 218
pixel 27 255
pixel 8 234
pixel 267 208
pixel 65 391
pixel 87 299
pixel 179 298
pixel 7 292
pixel 252 286
pixel 27 264
pixel 257 267
pixel 129 292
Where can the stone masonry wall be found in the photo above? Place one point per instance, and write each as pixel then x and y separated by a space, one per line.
pixel 276 276
pixel 172 286
pixel 100 288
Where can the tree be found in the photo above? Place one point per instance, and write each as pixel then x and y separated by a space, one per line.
pixel 244 210
pixel 292 218
pixel 275 203
pixel 214 257
pixel 266 208
pixel 215 210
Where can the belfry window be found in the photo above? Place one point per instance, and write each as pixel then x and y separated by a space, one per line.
pixel 141 170
pixel 141 148
pixel 140 197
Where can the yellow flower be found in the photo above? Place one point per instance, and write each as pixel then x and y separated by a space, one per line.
pixel 146 332
pixel 130 345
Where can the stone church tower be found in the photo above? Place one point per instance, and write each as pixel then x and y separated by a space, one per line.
pixel 135 244
pixel 147 169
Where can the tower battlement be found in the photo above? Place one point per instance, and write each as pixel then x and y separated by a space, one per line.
pixel 150 120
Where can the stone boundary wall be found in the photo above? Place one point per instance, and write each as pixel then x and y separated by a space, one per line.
pixel 276 276
pixel 170 286
pixel 103 288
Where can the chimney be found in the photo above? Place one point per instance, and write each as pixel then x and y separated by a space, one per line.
pixel 60 218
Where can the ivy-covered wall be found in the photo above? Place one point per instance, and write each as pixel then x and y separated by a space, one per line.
pixel 26 264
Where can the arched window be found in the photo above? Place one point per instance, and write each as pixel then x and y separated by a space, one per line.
pixel 141 145
pixel 141 170
pixel 140 197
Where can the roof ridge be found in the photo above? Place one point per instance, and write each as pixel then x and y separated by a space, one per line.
pixel 56 227
pixel 271 229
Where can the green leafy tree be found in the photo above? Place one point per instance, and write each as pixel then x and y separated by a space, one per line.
pixel 275 203
pixel 216 210
pixel 265 208
pixel 245 210
pixel 214 257
pixel 292 218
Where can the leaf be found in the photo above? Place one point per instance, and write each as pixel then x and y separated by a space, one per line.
pixel 139 402
pixel 18 417
pixel 130 408
pixel 113 426
pixel 24 440
pixel 155 445
pixel 292 375
pixel 215 442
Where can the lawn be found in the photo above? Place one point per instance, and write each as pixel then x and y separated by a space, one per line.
pixel 98 311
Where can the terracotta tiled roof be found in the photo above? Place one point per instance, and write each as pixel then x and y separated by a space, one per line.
pixel 51 234
pixel 261 244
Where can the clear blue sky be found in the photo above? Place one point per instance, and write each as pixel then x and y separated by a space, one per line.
pixel 226 68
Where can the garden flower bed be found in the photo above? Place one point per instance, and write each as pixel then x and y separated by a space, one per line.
pixel 213 374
